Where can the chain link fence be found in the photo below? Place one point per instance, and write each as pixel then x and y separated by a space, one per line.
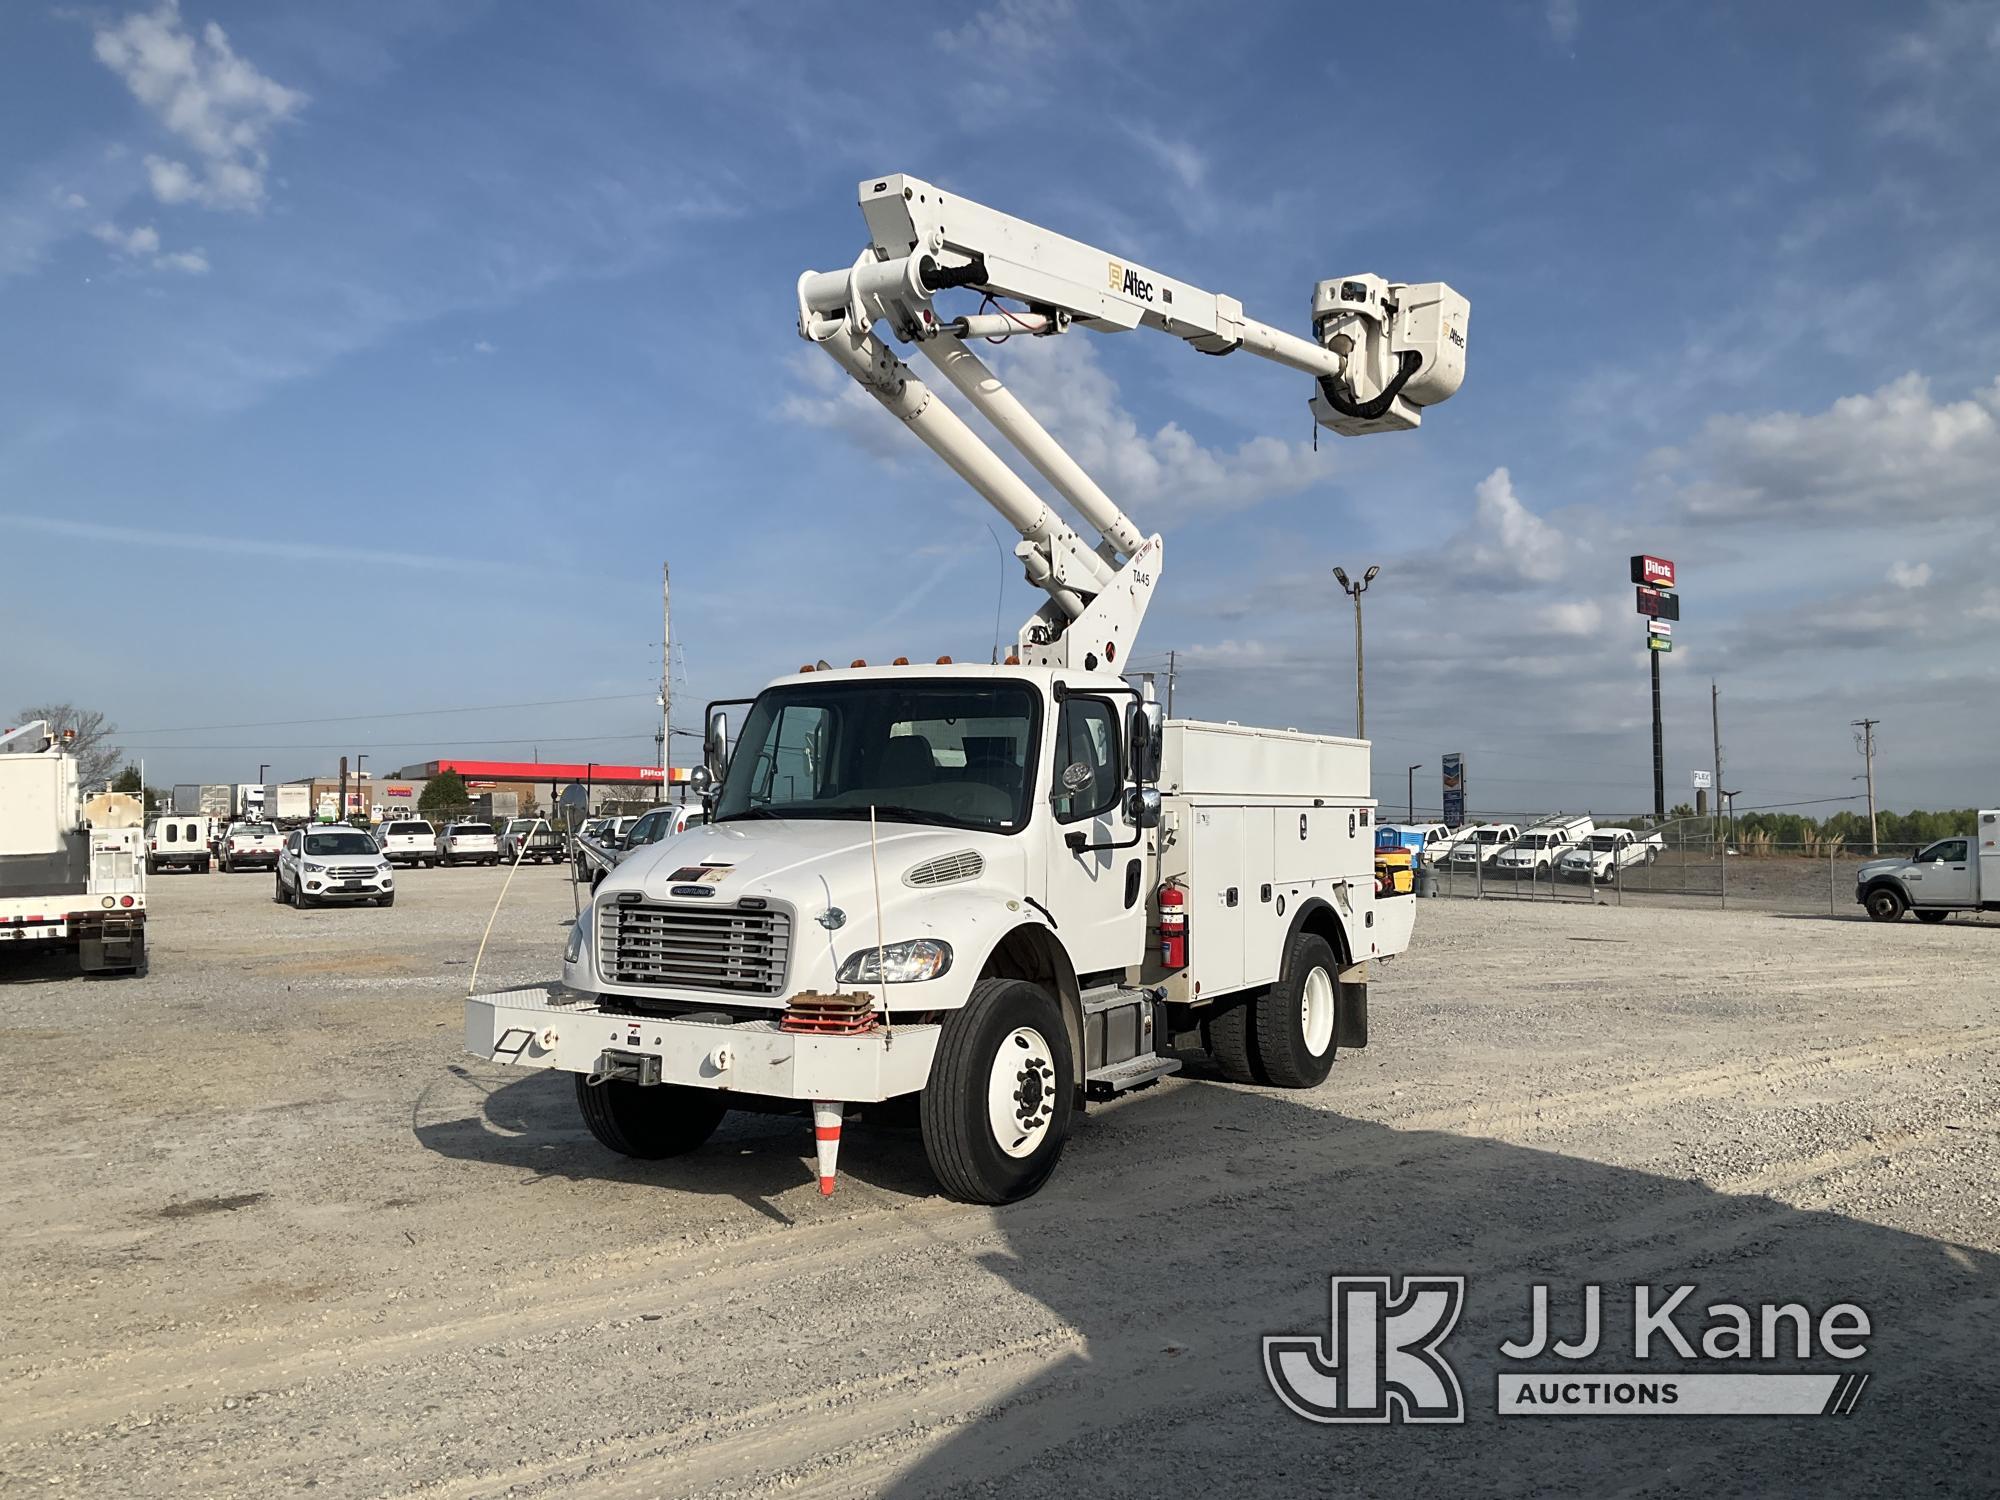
pixel 1691 862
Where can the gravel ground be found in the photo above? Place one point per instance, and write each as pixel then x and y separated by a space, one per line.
pixel 267 1229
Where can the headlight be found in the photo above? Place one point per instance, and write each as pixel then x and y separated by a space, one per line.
pixel 920 958
pixel 573 949
pixel 313 869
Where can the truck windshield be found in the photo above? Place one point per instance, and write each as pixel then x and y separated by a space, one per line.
pixel 957 753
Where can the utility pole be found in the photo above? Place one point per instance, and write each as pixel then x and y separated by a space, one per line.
pixel 1413 789
pixel 1867 728
pixel 360 788
pixel 1355 590
pixel 1170 684
pixel 667 683
pixel 1715 731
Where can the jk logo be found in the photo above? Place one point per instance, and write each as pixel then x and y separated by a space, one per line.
pixel 1382 1362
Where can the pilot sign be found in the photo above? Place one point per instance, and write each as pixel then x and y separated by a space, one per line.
pixel 1653 572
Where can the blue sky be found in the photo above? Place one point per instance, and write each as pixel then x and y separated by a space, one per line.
pixel 370 359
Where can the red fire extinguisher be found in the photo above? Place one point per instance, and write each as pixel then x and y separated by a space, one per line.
pixel 1173 927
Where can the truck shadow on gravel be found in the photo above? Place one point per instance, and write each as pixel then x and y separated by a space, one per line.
pixel 531 1123
pixel 1187 1222
pixel 1184 1225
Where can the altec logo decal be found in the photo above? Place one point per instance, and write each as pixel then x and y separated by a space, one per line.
pixel 1384 1361
pixel 1128 281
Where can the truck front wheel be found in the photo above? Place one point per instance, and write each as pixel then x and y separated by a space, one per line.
pixel 1885 903
pixel 652 1122
pixel 996 1111
pixel 1295 1019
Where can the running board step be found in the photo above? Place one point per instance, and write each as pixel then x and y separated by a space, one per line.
pixel 1124 1077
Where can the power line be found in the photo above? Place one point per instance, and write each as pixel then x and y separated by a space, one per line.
pixel 414 713
pixel 543 739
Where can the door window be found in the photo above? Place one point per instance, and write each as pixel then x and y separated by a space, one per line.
pixel 1950 851
pixel 1086 772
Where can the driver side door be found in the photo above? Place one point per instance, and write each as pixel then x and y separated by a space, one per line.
pixel 1093 892
pixel 1943 875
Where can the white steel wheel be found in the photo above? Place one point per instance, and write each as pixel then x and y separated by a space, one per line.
pixel 1020 1091
pixel 996 1109
pixel 1316 1011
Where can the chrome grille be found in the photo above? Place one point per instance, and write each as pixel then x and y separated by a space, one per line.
pixel 696 948
pixel 350 872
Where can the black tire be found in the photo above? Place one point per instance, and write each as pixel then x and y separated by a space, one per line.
pixel 1932 916
pixel 152 866
pixel 388 900
pixel 652 1123
pixel 1885 904
pixel 971 1164
pixel 277 888
pixel 1226 1035
pixel 1305 999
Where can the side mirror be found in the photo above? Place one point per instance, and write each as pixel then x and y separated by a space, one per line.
pixel 1142 806
pixel 1145 729
pixel 715 747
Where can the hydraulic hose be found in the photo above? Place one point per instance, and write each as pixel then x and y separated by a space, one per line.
pixel 1368 411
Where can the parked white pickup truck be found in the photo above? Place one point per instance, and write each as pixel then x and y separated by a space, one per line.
pixel 1478 846
pixel 1954 874
pixel 1534 853
pixel 251 846
pixel 1600 857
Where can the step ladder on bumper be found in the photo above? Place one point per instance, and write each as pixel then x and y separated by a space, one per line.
pixel 1123 1030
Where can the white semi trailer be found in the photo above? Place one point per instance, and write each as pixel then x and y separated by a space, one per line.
pixel 1001 889
pixel 68 879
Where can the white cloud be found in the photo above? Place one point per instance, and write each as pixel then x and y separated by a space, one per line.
pixel 240 546
pixel 73 200
pixel 1909 575
pixel 212 100
pixel 1564 16
pixel 1505 545
pixel 144 240
pixel 1182 160
pixel 1576 618
pixel 1011 30
pixel 483 347
pixel 143 243
pixel 1895 456
pixel 1155 477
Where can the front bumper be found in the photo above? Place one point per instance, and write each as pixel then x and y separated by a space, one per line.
pixel 538 1028
pixel 327 888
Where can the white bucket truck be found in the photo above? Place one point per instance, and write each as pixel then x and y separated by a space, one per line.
pixel 72 874
pixel 1001 889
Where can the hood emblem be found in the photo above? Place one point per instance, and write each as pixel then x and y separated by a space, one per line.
pixel 833 919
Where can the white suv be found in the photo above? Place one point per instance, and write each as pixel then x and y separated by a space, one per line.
pixel 334 863
pixel 408 841
pixel 468 844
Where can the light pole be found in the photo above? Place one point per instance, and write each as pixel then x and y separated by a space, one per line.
pixel 359 790
pixel 1413 789
pixel 1355 590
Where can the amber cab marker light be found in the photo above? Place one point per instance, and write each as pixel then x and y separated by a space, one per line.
pixel 944 661
pixel 857 662
pixel 901 661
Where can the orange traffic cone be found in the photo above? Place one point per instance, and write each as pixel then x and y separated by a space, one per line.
pixel 826 1137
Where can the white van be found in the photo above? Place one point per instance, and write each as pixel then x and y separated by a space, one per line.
pixel 178 841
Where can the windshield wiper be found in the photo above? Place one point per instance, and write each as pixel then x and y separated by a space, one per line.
pixel 750 812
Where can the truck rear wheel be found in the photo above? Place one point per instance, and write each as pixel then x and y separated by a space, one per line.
pixel 1296 1018
pixel 996 1111
pixel 1885 904
pixel 1226 1035
pixel 649 1123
